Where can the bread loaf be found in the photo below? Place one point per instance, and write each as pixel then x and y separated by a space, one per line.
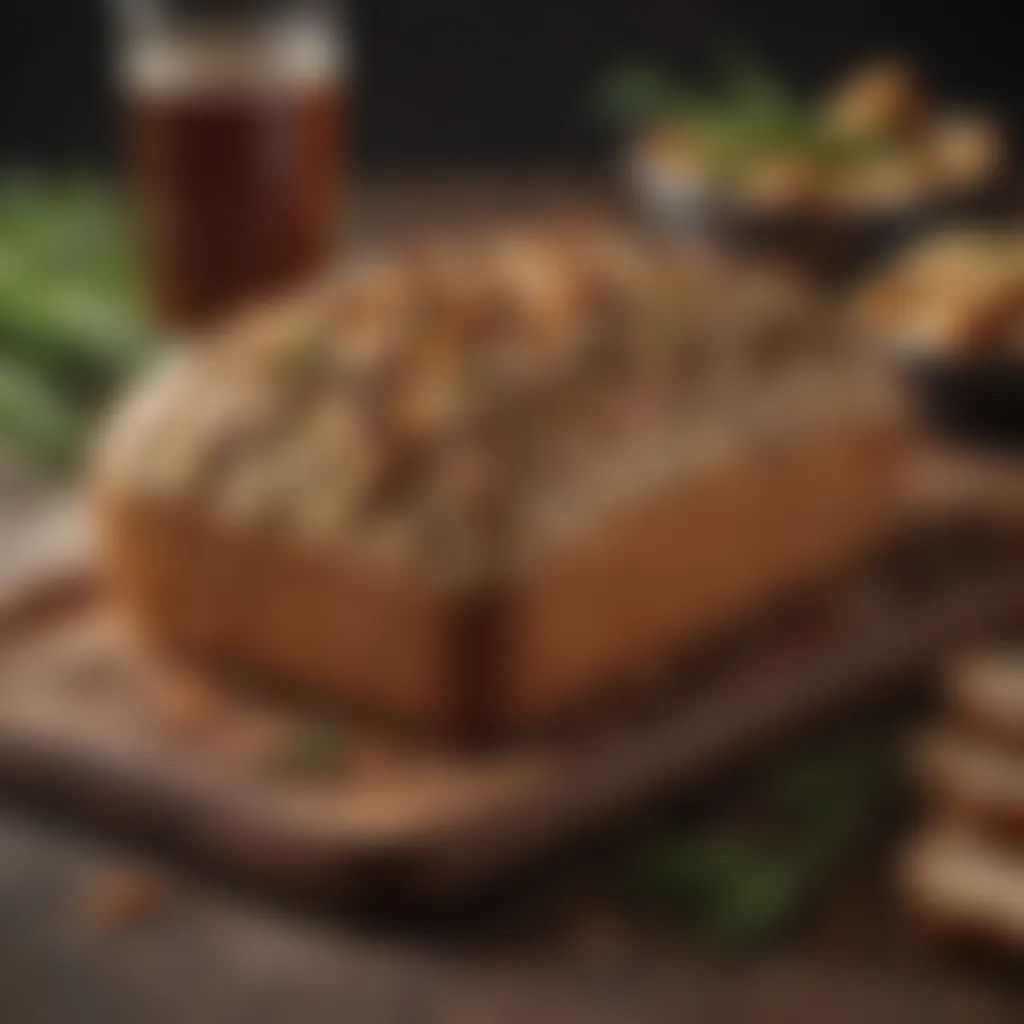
pixel 479 483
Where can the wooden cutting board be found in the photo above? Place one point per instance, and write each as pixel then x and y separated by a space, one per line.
pixel 97 725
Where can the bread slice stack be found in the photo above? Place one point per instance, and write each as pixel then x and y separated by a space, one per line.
pixel 964 873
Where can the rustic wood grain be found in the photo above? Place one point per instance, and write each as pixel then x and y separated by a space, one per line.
pixel 215 958
pixel 434 824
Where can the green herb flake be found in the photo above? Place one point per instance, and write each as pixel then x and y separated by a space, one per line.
pixel 315 750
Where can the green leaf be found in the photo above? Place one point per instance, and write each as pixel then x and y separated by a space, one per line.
pixel 63 327
pixel 735 893
pixel 633 94
pixel 34 417
pixel 70 317
pixel 746 113
pixel 739 886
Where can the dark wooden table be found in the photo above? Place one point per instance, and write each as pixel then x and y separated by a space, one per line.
pixel 218 956
pixel 558 946
pixel 554 947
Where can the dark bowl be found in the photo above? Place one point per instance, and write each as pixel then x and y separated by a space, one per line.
pixel 831 246
pixel 977 400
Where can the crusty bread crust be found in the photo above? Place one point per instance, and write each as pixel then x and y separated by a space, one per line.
pixel 249 598
pixel 486 487
pixel 663 575
pixel 681 567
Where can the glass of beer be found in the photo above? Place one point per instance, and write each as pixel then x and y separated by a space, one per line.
pixel 236 113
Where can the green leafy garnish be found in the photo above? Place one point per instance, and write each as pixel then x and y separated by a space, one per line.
pixel 739 885
pixel 71 325
pixel 744 113
pixel 34 417
pixel 633 93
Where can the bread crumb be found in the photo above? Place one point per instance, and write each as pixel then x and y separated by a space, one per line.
pixel 598 938
pixel 191 710
pixel 315 749
pixel 129 898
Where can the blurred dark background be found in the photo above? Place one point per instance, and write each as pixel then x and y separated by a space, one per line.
pixel 471 83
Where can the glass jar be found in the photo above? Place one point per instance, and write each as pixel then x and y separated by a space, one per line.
pixel 237 113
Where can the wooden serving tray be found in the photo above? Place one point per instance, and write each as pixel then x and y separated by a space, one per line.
pixel 98 725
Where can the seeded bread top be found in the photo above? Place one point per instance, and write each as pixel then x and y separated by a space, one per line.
pixel 461 401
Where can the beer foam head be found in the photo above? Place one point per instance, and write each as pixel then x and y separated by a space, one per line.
pixel 218 60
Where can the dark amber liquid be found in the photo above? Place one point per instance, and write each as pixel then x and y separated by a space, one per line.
pixel 239 194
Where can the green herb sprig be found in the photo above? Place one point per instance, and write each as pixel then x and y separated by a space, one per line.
pixel 742 113
pixel 739 886
pixel 71 325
